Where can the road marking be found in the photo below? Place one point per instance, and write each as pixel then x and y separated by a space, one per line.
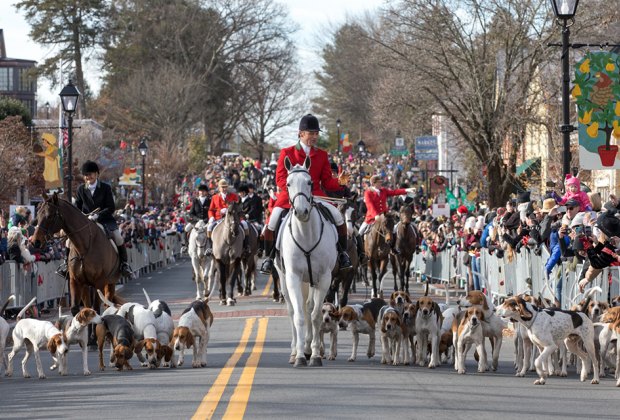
pixel 267 287
pixel 210 401
pixel 239 400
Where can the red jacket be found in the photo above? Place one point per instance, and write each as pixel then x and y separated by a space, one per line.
pixel 376 203
pixel 218 203
pixel 320 171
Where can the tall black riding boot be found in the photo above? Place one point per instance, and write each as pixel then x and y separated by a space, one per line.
pixel 63 268
pixel 343 258
pixel 267 266
pixel 125 267
pixel 360 249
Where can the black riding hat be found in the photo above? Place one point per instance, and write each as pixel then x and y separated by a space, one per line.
pixel 309 123
pixel 243 188
pixel 90 167
pixel 203 187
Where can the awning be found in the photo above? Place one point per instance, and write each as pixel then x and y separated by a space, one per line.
pixel 530 166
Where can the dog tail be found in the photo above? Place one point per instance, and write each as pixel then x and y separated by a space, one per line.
pixel 21 313
pixel 104 299
pixel 6 304
pixel 148 299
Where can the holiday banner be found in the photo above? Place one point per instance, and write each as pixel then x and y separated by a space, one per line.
pixel 48 149
pixel 597 94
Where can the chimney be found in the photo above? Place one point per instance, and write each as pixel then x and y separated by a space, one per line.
pixel 2 47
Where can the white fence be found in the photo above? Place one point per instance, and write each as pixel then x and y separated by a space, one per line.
pixel 525 274
pixel 41 281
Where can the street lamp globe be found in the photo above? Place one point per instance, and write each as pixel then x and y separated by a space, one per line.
pixel 143 147
pixel 361 146
pixel 338 122
pixel 69 96
pixel 564 9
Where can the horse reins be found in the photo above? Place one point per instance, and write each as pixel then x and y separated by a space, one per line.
pixel 309 252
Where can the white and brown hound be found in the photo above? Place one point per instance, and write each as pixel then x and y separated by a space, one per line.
pixel 194 324
pixel 467 330
pixel 363 320
pixel 76 332
pixel 428 322
pixel 391 327
pixel 34 335
pixel 493 326
pixel 548 327
pixel 329 324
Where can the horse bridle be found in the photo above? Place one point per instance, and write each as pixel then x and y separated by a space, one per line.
pixel 310 198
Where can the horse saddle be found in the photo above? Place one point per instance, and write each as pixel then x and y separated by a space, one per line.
pixel 108 235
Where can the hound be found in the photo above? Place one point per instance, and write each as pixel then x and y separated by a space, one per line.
pixel 398 299
pixel 493 326
pixel 329 324
pixel 75 330
pixel 119 332
pixel 363 320
pixel 408 345
pixel 194 324
pixel 547 327
pixel 391 335
pixel 428 322
pixel 467 330
pixel 34 334
pixel 4 331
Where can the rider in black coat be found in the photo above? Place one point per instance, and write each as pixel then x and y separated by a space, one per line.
pixel 97 195
pixel 200 205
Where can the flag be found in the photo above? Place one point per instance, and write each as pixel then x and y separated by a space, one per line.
pixel 472 195
pixel 451 199
pixel 65 137
pixel 345 145
pixel 471 206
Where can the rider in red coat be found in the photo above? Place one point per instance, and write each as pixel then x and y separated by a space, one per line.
pixel 322 179
pixel 217 210
pixel 375 199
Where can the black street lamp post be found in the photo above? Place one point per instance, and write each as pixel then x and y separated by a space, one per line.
pixel 565 12
pixel 143 148
pixel 47 110
pixel 69 97
pixel 338 122
pixel 361 147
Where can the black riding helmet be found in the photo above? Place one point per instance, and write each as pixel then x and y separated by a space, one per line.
pixel 90 167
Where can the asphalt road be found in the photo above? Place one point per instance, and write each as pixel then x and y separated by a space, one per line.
pixel 248 375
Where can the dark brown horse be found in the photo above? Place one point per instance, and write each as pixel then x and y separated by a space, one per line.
pixel 248 263
pixel 377 248
pixel 93 261
pixel 343 279
pixel 406 242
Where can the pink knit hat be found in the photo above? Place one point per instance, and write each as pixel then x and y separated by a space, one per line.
pixel 571 180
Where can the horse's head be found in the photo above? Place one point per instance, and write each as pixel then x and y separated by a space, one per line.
pixel 299 186
pixel 232 219
pixel 405 214
pixel 49 220
pixel 201 238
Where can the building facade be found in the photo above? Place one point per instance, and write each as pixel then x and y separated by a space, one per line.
pixel 17 79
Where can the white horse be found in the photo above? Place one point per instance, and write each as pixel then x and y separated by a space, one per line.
pixel 307 258
pixel 197 251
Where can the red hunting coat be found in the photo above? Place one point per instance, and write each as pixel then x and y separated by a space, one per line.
pixel 376 203
pixel 320 171
pixel 218 203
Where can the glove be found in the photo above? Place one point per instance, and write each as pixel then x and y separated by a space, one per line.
pixel 377 217
pixel 223 211
pixel 93 217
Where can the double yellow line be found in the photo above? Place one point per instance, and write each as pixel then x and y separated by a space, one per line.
pixel 239 400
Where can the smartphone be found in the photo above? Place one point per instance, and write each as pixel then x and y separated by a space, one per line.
pixel 578 229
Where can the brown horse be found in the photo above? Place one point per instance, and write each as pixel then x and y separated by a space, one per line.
pixel 248 263
pixel 406 242
pixel 227 250
pixel 343 279
pixel 93 261
pixel 377 248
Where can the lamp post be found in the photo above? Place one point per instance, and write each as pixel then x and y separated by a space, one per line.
pixel 361 147
pixel 143 148
pixel 564 12
pixel 69 97
pixel 47 110
pixel 338 122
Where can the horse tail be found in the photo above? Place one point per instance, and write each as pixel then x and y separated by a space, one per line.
pixel 8 300
pixel 148 299
pixel 426 288
pixel 21 313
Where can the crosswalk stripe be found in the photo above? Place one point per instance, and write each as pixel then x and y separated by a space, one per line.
pixel 239 400
pixel 209 403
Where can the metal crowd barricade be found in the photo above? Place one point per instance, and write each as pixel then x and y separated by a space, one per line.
pixel 41 281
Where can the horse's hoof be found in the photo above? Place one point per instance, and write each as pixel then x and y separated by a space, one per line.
pixel 307 355
pixel 300 362
pixel 316 362
pixel 291 359
pixel 222 302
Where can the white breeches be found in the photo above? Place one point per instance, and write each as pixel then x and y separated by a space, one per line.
pixel 277 211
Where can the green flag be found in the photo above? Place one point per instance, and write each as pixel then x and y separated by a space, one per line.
pixel 471 206
pixel 451 199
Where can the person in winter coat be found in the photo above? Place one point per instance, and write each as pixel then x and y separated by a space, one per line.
pixel 573 191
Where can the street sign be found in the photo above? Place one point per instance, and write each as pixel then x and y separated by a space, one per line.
pixel 399 148
pixel 426 148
